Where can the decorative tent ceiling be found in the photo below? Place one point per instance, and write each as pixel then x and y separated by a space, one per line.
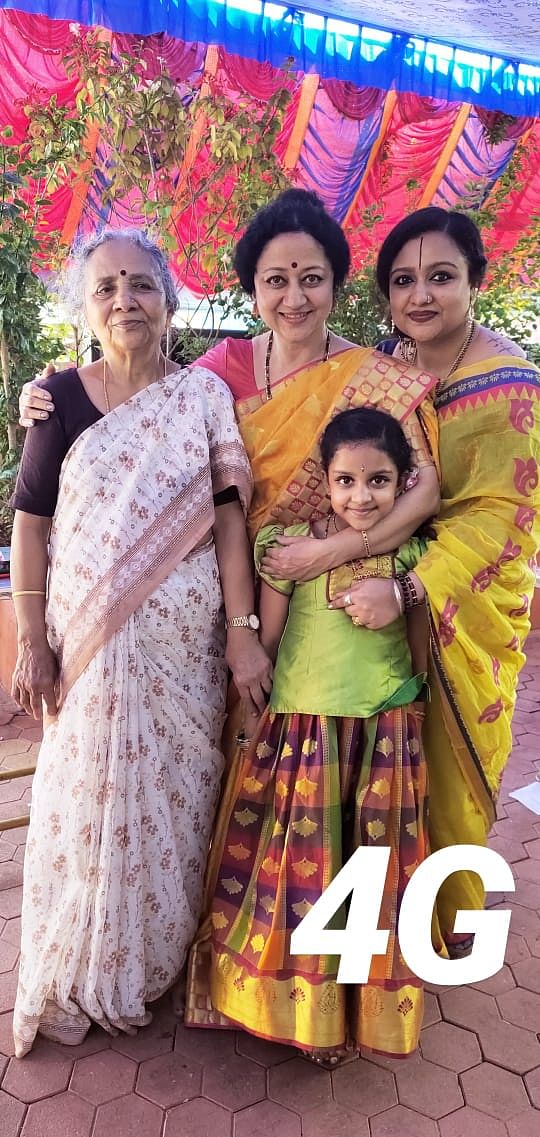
pixel 371 151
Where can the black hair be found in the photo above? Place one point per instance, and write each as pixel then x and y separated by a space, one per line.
pixel 366 424
pixel 433 219
pixel 294 211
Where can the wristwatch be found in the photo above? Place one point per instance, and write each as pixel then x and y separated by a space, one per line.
pixel 252 621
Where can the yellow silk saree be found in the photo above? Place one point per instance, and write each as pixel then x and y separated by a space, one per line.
pixel 479 579
pixel 282 440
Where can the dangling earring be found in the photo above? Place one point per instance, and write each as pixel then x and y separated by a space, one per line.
pixel 168 341
pixel 255 310
pixel 392 327
pixel 474 294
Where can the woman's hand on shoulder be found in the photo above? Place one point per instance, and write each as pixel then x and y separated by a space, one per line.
pixel 295 558
pixel 251 668
pixel 35 678
pixel 34 402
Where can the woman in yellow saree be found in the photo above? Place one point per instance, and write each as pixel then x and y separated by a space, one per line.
pixel 478 575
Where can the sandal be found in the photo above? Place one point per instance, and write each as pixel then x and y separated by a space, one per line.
pixel 328 1061
pixel 461 949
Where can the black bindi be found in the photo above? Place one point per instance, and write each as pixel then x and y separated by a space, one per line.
pixel 123 272
pixel 294 264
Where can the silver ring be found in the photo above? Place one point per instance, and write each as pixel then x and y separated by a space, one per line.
pixel 348 600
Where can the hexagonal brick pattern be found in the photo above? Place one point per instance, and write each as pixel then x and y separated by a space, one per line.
pixel 299 1085
pixel 332 1120
pixel 234 1082
pixel 364 1087
pixel 62 1114
pixel 469 1122
pixel 169 1079
pixel 521 1008
pixel 198 1118
pixel 450 1046
pixel 494 1091
pixel 402 1122
pixel 42 1073
pixel 127 1116
pixel 12 1113
pixel 477 1075
pixel 429 1089
pixel 265 1119
pixel 103 1076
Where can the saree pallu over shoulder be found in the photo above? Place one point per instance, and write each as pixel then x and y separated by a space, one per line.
pixel 479 573
pixel 282 435
pixel 133 504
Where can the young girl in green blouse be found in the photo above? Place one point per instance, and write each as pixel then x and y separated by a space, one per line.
pixel 336 762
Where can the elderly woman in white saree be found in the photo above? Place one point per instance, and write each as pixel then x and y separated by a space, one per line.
pixel 122 635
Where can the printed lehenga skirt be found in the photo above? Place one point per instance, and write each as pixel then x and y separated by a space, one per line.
pixel 306 794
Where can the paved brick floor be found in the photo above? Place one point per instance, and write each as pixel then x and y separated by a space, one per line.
pixel 478 1073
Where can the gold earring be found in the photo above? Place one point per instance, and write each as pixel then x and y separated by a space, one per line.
pixel 472 302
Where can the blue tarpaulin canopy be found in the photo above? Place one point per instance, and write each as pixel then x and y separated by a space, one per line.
pixel 482 51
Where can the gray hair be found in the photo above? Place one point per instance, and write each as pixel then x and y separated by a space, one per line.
pixel 72 285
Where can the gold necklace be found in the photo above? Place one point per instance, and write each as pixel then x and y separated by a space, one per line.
pixel 267 384
pixel 104 382
pixel 463 349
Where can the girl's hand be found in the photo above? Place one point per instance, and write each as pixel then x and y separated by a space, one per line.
pixel 251 669
pixel 35 678
pixel 370 603
pixel 296 558
pixel 34 402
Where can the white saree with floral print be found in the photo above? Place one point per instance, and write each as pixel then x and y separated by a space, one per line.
pixel 128 773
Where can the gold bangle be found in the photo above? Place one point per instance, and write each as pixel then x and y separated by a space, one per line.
pixel 364 537
pixel 29 592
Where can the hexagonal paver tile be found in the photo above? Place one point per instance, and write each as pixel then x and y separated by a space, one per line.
pixel 516 949
pixel 8 990
pixel 204 1044
pixel 42 1073
pixel 103 1076
pixel 466 1122
pixel 10 902
pixel 364 1087
pixel 169 1079
pixel 527 973
pixel 156 1038
pixel 198 1118
pixel 64 1113
pixel 6 1034
pixel 11 874
pixel 9 955
pixel 402 1122
pixel 12 931
pixel 510 1046
pixel 261 1051
pixel 332 1120
pixel 497 984
pixel 521 1008
pixel 532 1082
pixel 432 1011
pixel 300 1085
pixel 526 1125
pixel 267 1117
pixel 12 1113
pixel 494 1091
pixel 429 1089
pixel 450 1046
pixel 469 1008
pixel 528 869
pixel 126 1116
pixel 533 848
pixel 234 1082
pixel 527 894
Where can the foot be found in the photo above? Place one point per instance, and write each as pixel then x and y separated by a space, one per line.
pixel 327 1059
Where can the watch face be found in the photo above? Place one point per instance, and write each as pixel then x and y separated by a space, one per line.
pixel 253 622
